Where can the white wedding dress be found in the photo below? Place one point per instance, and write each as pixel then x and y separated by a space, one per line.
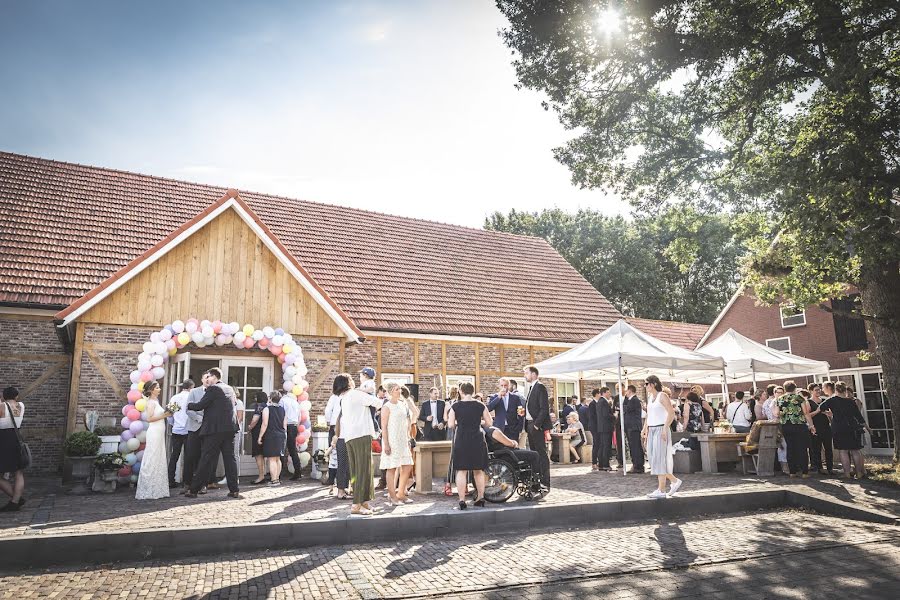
pixel 153 480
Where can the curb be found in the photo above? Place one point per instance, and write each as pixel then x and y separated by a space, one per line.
pixel 53 550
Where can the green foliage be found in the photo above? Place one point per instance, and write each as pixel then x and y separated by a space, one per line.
pixel 110 462
pixel 678 265
pixel 82 443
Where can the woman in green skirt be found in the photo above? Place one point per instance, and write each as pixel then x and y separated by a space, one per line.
pixel 356 428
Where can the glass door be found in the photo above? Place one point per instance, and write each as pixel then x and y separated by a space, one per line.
pixel 878 412
pixel 178 370
pixel 248 376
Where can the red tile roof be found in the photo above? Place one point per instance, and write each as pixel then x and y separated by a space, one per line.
pixel 684 335
pixel 65 228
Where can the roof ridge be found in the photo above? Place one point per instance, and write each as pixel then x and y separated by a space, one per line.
pixel 223 188
pixel 668 321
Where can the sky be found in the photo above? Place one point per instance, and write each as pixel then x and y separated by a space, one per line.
pixel 407 108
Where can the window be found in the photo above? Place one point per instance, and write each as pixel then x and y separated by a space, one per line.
pixel 714 399
pixel 791 316
pixel 849 331
pixel 522 386
pixel 401 378
pixel 455 380
pixel 565 390
pixel 783 344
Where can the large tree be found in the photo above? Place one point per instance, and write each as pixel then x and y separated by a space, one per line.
pixel 787 105
pixel 692 256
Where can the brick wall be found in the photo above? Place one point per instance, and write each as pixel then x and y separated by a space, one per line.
pixel 815 340
pixel 30 351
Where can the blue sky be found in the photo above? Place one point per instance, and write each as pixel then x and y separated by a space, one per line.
pixel 401 107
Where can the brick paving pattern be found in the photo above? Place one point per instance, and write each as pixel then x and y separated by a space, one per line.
pixel 740 551
pixel 49 511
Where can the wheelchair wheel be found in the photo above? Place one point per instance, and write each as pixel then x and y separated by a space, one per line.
pixel 501 481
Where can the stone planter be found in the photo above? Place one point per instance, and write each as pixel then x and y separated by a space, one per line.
pixel 105 481
pixel 109 444
pixel 319 441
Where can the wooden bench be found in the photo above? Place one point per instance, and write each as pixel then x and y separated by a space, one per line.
pixel 432 458
pixel 761 459
pixel 718 448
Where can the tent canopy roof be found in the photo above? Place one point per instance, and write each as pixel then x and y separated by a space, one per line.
pixel 638 353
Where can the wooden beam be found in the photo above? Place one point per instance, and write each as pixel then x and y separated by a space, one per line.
pixel 443 366
pixel 416 361
pixel 477 367
pixel 326 372
pixel 377 356
pixel 75 380
pixel 343 354
pixel 502 366
pixel 531 355
pixel 323 355
pixel 107 374
pixel 34 385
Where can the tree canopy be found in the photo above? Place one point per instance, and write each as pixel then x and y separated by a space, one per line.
pixel 790 106
pixel 692 258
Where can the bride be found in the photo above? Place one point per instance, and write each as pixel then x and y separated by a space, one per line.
pixel 153 479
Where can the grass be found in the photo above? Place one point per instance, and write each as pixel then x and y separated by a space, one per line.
pixel 886 473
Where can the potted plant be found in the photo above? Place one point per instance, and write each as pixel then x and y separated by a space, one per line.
pixel 80 448
pixel 109 438
pixel 106 468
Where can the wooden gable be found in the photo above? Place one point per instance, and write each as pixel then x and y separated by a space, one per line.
pixel 223 271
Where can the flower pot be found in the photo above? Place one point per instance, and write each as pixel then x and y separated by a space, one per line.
pixel 104 480
pixel 109 444
pixel 81 467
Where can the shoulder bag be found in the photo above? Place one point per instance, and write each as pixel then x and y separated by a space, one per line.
pixel 24 450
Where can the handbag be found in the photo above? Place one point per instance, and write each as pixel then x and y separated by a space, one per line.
pixel 24 450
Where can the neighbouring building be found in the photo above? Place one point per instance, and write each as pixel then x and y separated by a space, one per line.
pixel 818 334
pixel 93 260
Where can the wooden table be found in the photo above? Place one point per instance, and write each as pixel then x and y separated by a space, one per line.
pixel 718 448
pixel 432 458
pixel 561 442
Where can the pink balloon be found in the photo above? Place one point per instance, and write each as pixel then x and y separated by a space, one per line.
pixel 304 396
pixel 146 376
pixel 125 472
pixel 249 342
pixel 301 428
pixel 134 414
pixel 264 343
pixel 134 395
pixel 217 326
pixel 125 410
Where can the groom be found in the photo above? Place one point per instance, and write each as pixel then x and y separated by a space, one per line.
pixel 216 435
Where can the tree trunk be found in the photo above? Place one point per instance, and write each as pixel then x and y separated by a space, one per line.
pixel 879 288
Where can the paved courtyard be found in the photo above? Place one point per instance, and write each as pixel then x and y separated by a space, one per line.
pixel 50 510
pixel 784 554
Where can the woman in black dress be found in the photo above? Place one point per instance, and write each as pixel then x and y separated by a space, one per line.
pixel 256 450
pixel 11 413
pixel 273 436
pixel 469 448
pixel 847 426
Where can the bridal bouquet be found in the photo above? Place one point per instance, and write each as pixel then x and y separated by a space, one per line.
pixel 172 408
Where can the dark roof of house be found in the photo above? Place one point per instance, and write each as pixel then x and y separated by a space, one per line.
pixel 65 228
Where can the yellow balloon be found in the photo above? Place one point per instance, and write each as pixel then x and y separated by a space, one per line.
pixel 288 348
pixel 173 351
pixel 297 390
pixel 141 405
pixel 141 385
pixel 184 337
pixel 248 330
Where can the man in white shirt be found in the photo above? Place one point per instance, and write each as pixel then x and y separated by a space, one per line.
pixel 179 423
pixel 739 414
pixel 192 443
pixel 292 418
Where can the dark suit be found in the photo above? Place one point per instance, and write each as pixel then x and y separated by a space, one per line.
pixel 430 432
pixel 538 406
pixel 617 427
pixel 603 430
pixel 508 421
pixel 633 425
pixel 216 436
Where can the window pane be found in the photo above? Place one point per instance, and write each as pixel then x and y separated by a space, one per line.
pixel 236 376
pixel 254 377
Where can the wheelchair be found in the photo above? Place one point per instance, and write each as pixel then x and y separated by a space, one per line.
pixel 506 475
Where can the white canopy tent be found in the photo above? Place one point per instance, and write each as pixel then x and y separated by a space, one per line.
pixel 624 347
pixel 750 361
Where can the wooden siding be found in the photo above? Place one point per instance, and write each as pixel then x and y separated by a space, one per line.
pixel 223 271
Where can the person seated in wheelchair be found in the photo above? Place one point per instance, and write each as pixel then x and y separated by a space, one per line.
pixel 498 444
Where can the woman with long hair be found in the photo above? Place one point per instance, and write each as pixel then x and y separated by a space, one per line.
pixel 11 413
pixel 273 435
pixel 153 479
pixel 660 415
pixel 847 427
pixel 396 455
pixel 356 428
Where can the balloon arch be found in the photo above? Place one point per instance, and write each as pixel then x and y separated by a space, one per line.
pixel 166 342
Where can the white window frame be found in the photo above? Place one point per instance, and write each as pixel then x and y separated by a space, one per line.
pixel 787 337
pixel 715 399
pixel 802 313
pixel 520 381
pixel 401 378
pixel 455 380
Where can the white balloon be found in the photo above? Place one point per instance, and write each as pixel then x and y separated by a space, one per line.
pixel 207 331
pixel 268 332
pixel 304 446
pixel 144 356
pixel 205 323
pixel 191 327
pixel 154 337
pixel 304 459
pixel 142 437
pixel 239 338
pixel 302 370
pixel 288 338
pixel 157 360
pixel 234 326
pixel 221 339
pixel 178 326
pixel 166 335
pixel 288 386
pixel 258 335
pixel 297 379
pixel 160 348
pixel 159 372
pixel 143 365
pixel 208 341
pixel 148 347
pixel 290 371
pixel 306 405
pixel 278 340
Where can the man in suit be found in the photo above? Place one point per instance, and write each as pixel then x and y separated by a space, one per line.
pixel 584 417
pixel 537 420
pixel 617 426
pixel 633 424
pixel 570 407
pixel 505 406
pixel 216 435
pixel 591 425
pixel 431 415
pixel 603 427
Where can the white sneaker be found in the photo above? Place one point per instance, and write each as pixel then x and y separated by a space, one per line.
pixel 657 494
pixel 224 481
pixel 675 487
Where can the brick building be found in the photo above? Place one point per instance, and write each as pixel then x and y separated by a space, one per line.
pixel 92 261
pixel 820 335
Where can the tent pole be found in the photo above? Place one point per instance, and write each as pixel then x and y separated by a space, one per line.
pixel 725 386
pixel 622 418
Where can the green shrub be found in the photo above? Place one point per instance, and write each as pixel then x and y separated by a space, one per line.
pixel 82 443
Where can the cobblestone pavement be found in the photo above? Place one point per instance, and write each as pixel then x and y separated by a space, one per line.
pixel 785 554
pixel 50 510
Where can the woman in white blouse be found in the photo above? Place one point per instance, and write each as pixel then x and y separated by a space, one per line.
pixel 10 457
pixel 356 428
